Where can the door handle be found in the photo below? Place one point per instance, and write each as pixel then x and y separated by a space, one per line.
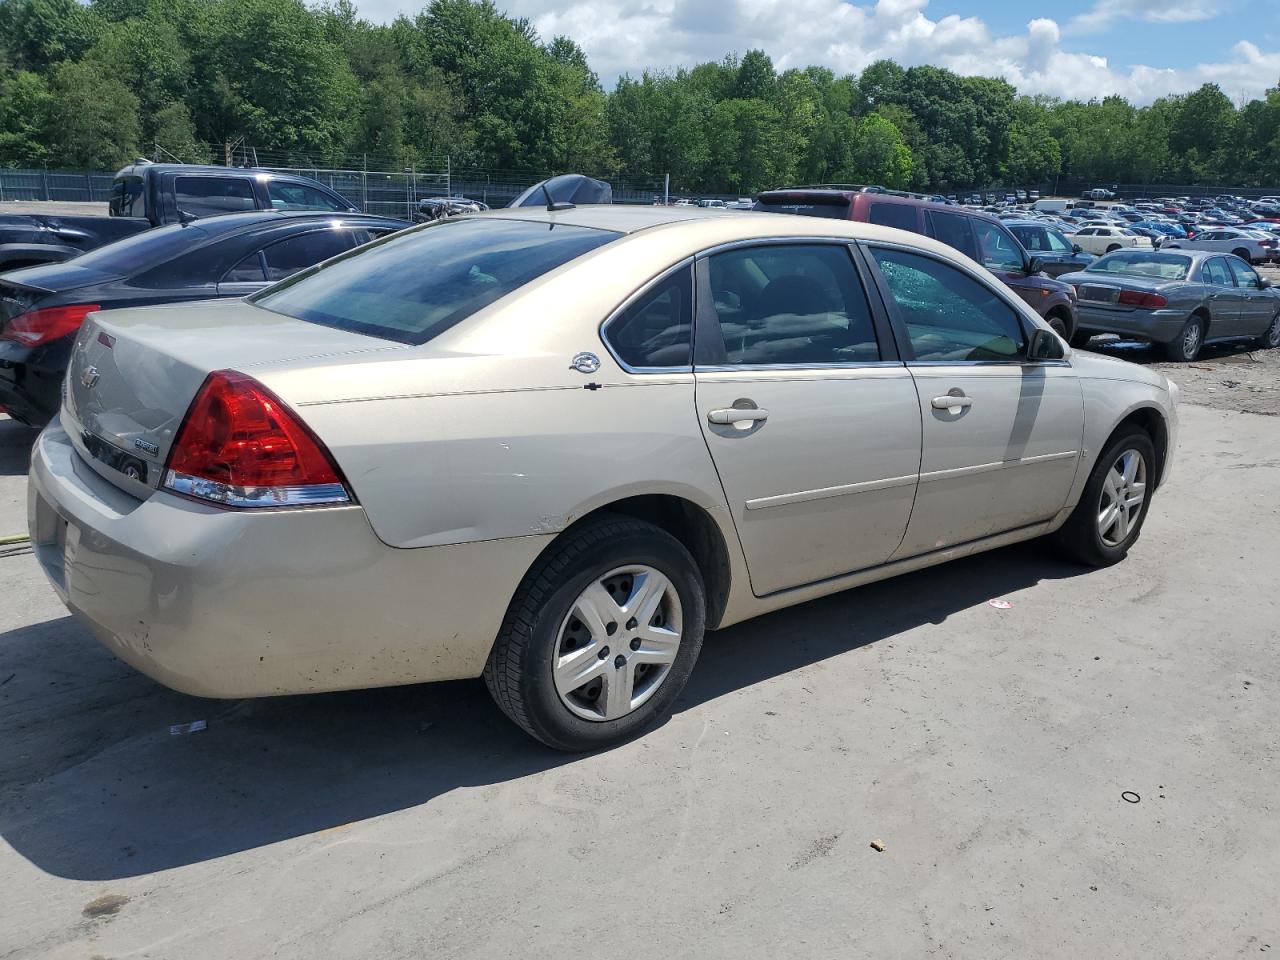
pixel 731 415
pixel 949 402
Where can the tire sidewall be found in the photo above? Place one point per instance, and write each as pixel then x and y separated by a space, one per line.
pixel 1181 342
pixel 1090 499
pixel 1271 336
pixel 555 723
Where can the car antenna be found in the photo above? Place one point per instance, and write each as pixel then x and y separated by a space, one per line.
pixel 552 205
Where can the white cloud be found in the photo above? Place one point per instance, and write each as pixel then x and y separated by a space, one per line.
pixel 630 36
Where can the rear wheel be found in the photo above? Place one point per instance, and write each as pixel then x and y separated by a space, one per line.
pixel 1185 347
pixel 601 636
pixel 1243 255
pixel 1270 338
pixel 1108 519
pixel 1113 248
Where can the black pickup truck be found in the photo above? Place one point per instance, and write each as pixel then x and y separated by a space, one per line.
pixel 146 195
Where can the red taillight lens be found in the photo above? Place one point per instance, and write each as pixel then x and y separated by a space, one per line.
pixel 239 445
pixel 41 326
pixel 1136 298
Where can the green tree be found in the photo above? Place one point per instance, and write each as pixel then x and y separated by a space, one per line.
pixel 40 33
pixel 25 118
pixel 880 155
pixel 93 118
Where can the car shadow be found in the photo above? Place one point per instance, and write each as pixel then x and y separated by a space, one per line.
pixel 16 441
pixel 1142 351
pixel 93 785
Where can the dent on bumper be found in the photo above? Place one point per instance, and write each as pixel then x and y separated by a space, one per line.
pixel 220 603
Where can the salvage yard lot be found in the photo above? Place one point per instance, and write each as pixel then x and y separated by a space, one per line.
pixel 986 748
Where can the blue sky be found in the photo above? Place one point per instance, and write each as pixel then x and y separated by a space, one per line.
pixel 1140 49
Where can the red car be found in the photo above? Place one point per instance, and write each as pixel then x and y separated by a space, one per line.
pixel 978 236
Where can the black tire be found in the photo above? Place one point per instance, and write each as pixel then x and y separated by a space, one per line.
pixel 1113 248
pixel 1270 338
pixel 1060 322
pixel 1081 338
pixel 1243 254
pixel 1079 537
pixel 1185 347
pixel 519 670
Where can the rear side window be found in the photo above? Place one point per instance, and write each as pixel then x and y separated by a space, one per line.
pixel 949 316
pixel 416 284
pixel 213 196
pixel 903 216
pixel 286 257
pixel 657 330
pixel 953 230
pixel 794 304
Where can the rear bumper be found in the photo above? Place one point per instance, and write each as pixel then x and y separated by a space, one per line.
pixel 219 603
pixel 30 386
pixel 1160 326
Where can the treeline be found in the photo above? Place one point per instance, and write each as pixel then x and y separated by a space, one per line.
pixel 94 86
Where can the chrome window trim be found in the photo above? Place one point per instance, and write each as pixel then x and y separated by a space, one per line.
pixel 765 367
pixel 644 290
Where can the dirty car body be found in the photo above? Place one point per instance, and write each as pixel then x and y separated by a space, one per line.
pixel 678 417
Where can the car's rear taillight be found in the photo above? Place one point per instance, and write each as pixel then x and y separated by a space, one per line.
pixel 1136 298
pixel 240 446
pixel 38 327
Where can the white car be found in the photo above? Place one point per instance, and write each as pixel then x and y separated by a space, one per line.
pixel 1245 244
pixel 1104 239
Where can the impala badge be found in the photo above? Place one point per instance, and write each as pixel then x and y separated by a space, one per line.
pixel 585 363
pixel 88 377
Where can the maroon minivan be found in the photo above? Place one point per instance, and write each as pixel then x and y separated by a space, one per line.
pixel 978 236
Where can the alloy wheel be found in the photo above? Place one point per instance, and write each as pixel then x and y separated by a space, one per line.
pixel 1272 335
pixel 618 642
pixel 1123 492
pixel 1191 340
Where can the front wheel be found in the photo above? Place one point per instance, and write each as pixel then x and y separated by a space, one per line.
pixel 601 636
pixel 1081 338
pixel 1108 519
pixel 1185 347
pixel 1270 338
pixel 1060 324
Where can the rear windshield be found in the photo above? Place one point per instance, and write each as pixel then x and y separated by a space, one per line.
pixel 415 285
pixel 143 250
pixel 1165 266
pixel 837 208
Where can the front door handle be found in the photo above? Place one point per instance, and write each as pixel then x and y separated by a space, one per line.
pixel 731 415
pixel 951 403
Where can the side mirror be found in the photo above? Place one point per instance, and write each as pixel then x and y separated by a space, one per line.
pixel 1076 248
pixel 1263 283
pixel 1036 265
pixel 1045 345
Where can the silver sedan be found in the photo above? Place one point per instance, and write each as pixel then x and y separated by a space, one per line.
pixel 552 447
pixel 1180 299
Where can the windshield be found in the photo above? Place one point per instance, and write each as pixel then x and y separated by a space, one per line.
pixel 1165 266
pixel 416 284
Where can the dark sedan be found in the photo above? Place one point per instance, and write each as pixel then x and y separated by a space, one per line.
pixel 1180 299
pixel 41 308
pixel 1057 254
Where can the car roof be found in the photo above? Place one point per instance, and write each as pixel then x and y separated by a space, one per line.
pixel 210 170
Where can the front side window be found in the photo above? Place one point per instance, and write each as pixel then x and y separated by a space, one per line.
pixel 1216 272
pixel 299 196
pixel 949 316
pixel 1058 243
pixel 657 330
pixel 1245 275
pixel 213 196
pixel 795 304
pixel 996 247
pixel 415 284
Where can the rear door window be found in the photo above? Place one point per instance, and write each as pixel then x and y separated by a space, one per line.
pixel 949 316
pixel 415 284
pixel 213 196
pixel 793 304
pixel 953 230
pixel 903 216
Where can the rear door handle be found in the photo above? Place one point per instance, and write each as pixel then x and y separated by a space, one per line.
pixel 737 415
pixel 951 403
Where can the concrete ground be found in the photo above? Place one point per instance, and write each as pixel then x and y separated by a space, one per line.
pixel 987 749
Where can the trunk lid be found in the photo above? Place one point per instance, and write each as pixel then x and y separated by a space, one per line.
pixel 134 373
